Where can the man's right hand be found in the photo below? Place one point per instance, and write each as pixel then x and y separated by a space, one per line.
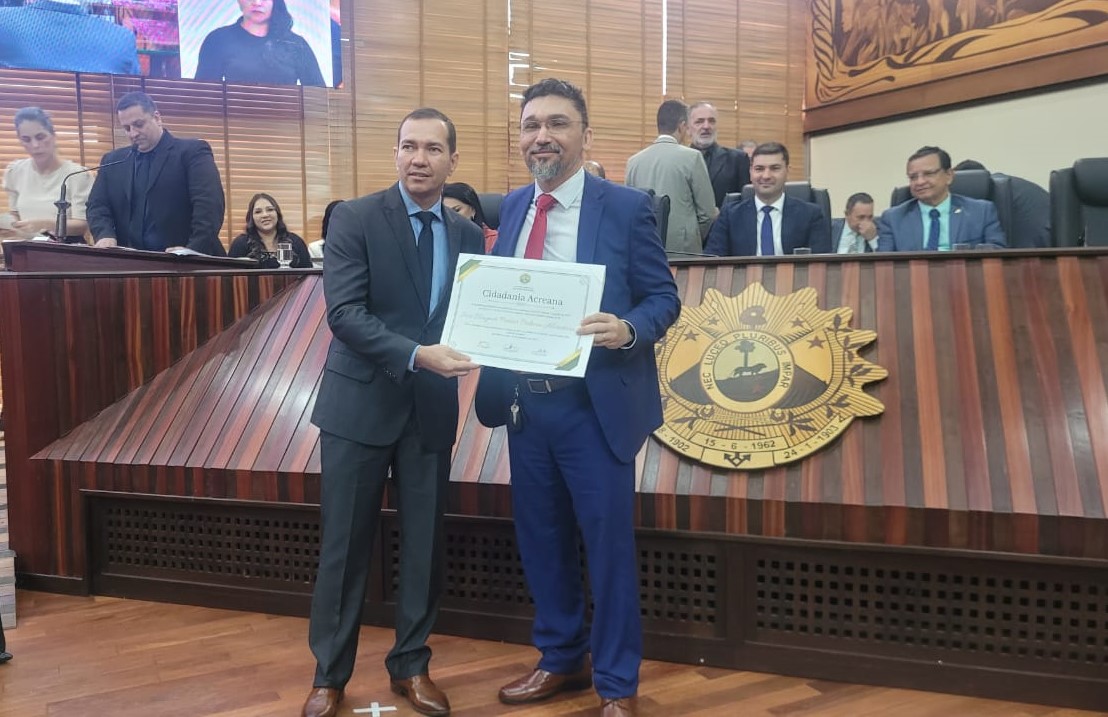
pixel 105 242
pixel 868 229
pixel 443 360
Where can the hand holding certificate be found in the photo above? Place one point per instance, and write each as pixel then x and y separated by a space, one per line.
pixel 523 314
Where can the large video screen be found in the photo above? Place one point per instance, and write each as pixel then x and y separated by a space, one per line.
pixel 265 42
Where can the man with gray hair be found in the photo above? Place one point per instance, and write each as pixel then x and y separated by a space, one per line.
pixel 62 35
pixel 669 168
pixel 729 169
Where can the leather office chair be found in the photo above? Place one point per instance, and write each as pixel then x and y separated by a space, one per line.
pixel 661 212
pixel 1079 203
pixel 804 191
pixel 490 207
pixel 977 184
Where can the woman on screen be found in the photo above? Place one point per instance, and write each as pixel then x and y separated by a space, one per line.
pixel 265 229
pixel 33 184
pixel 260 48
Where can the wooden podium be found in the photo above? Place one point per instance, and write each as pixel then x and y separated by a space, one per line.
pixel 160 447
pixel 33 255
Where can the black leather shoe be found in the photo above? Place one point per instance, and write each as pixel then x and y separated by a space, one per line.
pixel 424 695
pixel 541 685
pixel 4 657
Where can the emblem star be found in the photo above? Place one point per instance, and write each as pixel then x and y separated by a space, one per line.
pixel 816 342
pixel 712 321
pixel 798 323
pixel 691 336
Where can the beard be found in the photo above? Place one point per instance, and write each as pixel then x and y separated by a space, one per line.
pixel 543 170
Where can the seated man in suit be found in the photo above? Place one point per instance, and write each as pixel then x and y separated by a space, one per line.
pixel 856 233
pixel 770 224
pixel 934 219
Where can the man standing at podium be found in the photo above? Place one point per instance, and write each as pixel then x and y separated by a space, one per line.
pixel 573 451
pixel 162 193
pixel 388 402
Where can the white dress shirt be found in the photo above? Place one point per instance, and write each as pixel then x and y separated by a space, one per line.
pixel 850 241
pixel 775 216
pixel 562 220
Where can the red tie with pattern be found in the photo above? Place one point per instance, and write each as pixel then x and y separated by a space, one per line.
pixel 536 240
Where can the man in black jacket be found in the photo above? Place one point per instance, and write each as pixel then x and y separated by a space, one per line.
pixel 729 169
pixel 163 193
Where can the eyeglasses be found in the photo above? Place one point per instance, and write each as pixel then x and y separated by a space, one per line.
pixel 554 125
pixel 925 174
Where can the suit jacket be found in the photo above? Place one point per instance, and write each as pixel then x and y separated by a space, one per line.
pixel 837 235
pixel 729 170
pixel 972 221
pixel 735 233
pixel 184 199
pixel 378 314
pixel 617 229
pixel 679 173
pixel 59 36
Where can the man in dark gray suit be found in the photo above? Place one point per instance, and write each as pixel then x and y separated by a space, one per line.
pixel 729 169
pixel 388 400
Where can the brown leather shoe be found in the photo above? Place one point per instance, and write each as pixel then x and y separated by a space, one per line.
pixel 540 685
pixel 619 706
pixel 322 702
pixel 425 697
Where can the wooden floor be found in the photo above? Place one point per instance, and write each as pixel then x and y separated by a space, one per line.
pixel 94 657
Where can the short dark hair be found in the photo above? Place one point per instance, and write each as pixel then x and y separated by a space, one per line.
pixel 34 114
pixel 944 158
pixel 558 88
pixel 771 148
pixel 968 164
pixel 671 114
pixel 465 194
pixel 137 99
pixel 857 198
pixel 432 113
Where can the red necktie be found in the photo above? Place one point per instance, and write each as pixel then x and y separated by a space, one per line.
pixel 536 240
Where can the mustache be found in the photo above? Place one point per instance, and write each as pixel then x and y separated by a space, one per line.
pixel 548 147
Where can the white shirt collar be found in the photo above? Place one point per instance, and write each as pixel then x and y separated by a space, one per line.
pixel 569 192
pixel 779 205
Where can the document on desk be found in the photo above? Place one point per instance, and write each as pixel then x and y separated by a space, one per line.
pixel 523 314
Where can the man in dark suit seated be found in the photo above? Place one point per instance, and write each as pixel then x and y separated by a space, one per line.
pixel 162 194
pixel 388 404
pixel 856 233
pixel 62 35
pixel 934 219
pixel 1030 208
pixel 769 224
pixel 729 169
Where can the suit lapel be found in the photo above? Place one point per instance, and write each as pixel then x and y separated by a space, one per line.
pixel 788 219
pixel 716 164
pixel 588 229
pixel 914 230
pixel 748 221
pixel 397 217
pixel 513 211
pixel 160 158
pixel 957 220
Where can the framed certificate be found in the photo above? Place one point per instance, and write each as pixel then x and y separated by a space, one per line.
pixel 523 314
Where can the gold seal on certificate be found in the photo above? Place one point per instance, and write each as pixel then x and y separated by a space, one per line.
pixel 523 314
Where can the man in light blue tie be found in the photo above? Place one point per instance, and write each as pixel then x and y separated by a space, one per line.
pixel 770 223
pixel 934 219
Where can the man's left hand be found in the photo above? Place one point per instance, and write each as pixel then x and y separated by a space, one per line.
pixel 608 330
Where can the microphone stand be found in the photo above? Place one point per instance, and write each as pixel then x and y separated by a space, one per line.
pixel 63 204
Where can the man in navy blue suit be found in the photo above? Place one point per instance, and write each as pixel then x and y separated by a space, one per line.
pixel 62 35
pixel 934 219
pixel 771 223
pixel 572 455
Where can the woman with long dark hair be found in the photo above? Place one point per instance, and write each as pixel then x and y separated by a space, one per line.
pixel 265 229
pixel 260 48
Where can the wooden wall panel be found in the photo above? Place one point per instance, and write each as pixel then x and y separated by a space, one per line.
pixel 470 59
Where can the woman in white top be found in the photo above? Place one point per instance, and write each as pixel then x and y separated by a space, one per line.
pixel 33 184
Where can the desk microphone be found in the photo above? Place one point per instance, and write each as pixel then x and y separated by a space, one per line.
pixel 63 205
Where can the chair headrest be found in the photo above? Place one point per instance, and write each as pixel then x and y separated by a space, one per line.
pixel 975 183
pixel 1090 178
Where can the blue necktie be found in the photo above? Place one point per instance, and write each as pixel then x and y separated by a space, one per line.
pixel 767 232
pixel 425 248
pixel 933 232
